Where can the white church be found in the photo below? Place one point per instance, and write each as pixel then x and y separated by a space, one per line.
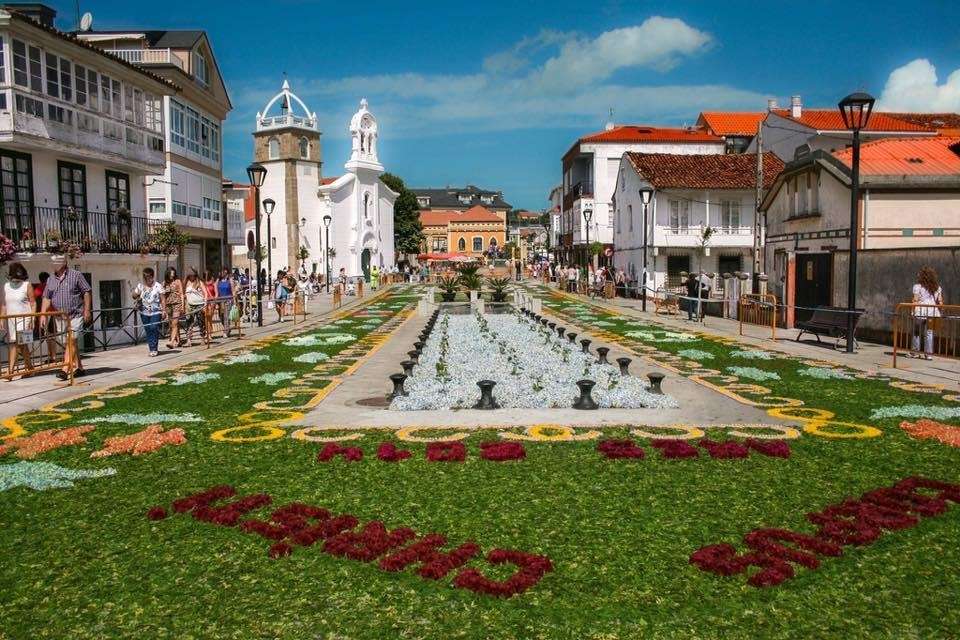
pixel 359 205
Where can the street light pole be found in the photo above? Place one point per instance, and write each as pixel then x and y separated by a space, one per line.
pixel 326 247
pixel 257 173
pixel 645 195
pixel 855 109
pixel 587 216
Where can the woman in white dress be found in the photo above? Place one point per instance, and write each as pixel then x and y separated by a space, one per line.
pixel 18 298
pixel 928 296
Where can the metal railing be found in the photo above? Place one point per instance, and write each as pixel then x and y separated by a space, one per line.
pixel 923 329
pixel 49 229
pixel 147 56
pixel 33 343
pixel 758 309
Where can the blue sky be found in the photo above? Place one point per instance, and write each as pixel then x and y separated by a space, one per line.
pixel 493 93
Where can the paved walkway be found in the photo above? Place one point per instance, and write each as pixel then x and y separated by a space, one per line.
pixel 869 356
pixel 119 366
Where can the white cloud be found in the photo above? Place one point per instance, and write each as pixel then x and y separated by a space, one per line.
pixel 914 87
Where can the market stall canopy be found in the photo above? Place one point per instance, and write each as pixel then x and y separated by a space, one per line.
pixel 445 257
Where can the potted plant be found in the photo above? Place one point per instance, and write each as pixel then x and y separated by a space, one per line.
pixel 52 237
pixel 499 288
pixel 470 278
pixel 27 242
pixel 448 287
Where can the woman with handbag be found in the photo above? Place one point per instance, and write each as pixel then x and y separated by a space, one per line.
pixel 195 298
pixel 18 299
pixel 927 300
pixel 151 303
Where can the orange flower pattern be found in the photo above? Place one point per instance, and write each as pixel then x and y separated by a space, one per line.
pixel 29 447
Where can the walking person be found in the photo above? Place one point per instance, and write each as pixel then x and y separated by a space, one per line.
pixel 18 299
pixel 928 296
pixel 151 301
pixel 280 295
pixel 44 326
pixel 374 278
pixel 226 294
pixel 67 291
pixel 195 302
pixel 173 297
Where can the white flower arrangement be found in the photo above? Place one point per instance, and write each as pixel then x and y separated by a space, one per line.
pixel 752 373
pixel 312 357
pixel 320 340
pixel 695 354
pixel 273 379
pixel 668 336
pixel 195 378
pixel 824 373
pixel 748 354
pixel 532 366
pixel 916 411
pixel 246 358
pixel 147 418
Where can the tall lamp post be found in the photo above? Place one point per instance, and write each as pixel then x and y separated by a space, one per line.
pixel 645 195
pixel 855 109
pixel 587 217
pixel 268 206
pixel 257 173
pixel 327 219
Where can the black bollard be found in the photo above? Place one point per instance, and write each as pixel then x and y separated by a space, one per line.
pixel 602 352
pixel 408 367
pixel 656 379
pixel 486 395
pixel 572 336
pixel 624 366
pixel 586 345
pixel 418 345
pixel 414 355
pixel 585 401
pixel 552 325
pixel 560 331
pixel 397 380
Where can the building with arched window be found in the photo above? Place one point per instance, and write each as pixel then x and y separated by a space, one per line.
pixel 473 232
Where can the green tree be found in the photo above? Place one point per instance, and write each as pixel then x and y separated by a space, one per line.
pixel 167 239
pixel 407 230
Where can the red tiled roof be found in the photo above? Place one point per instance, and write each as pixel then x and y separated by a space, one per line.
pixel 436 217
pixel 634 133
pixel 831 120
pixel 477 213
pixel 441 217
pixel 907 156
pixel 707 171
pixel 329 180
pixel 731 123
pixel 947 124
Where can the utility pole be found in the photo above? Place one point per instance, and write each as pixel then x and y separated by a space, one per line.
pixel 757 226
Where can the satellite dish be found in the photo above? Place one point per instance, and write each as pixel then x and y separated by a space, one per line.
pixel 86 21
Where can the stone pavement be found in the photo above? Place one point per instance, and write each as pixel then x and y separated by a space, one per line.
pixel 869 356
pixel 124 364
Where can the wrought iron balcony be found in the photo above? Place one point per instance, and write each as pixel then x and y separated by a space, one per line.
pixel 54 230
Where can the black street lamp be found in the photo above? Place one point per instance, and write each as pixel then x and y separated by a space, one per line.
pixel 257 173
pixel 268 206
pixel 855 109
pixel 587 216
pixel 645 195
pixel 327 219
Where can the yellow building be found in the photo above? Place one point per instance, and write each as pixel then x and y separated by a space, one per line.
pixel 472 232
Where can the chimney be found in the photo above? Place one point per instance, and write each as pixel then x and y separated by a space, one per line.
pixel 796 108
pixel 610 124
pixel 772 104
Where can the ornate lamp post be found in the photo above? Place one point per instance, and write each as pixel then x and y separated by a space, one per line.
pixel 645 195
pixel 587 217
pixel 327 219
pixel 257 173
pixel 855 109
pixel 268 206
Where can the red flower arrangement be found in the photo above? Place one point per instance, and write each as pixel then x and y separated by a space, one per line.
pixel 675 449
pixel 502 451
pixel 280 550
pixel 724 450
pixel 157 513
pixel 851 522
pixel 369 544
pixel 530 569
pixel 446 452
pixel 388 452
pixel 772 448
pixel 324 530
pixel 434 564
pixel 615 449
pixel 332 450
pixel 229 514
pixel 203 498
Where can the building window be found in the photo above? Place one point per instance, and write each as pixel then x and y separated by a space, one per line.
pixel 80 75
pixel 462 244
pixel 17 192
pixel 153 108
pixel 106 104
pixel 273 243
pixel 630 216
pixel 273 148
pixel 423 201
pixel 200 69
pixel 111 314
pixel 193 211
pixel 73 185
pixel 29 106
pixel 93 89
pixel 3 67
pixel 465 198
pixel 112 130
pixel 304 148
pixel 478 244
pixel 679 216
pixel 135 137
pixel 177 124
pixel 730 215
pixel 53 76
pixel 158 206
pixel 366 206
pixel 179 209
pixel 36 70
pixel 59 114
pixel 486 199
pixel 20 76
pixel 118 193
pixel 88 123
pixel 193 131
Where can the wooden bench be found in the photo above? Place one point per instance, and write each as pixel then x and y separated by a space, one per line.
pixel 830 321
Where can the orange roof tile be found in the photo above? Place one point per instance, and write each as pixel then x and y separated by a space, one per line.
pixel 947 124
pixel 907 156
pixel 442 217
pixel 436 217
pixel 831 120
pixel 634 133
pixel 705 171
pixel 477 213
pixel 732 123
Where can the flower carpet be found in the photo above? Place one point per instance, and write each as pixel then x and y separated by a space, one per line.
pixel 219 514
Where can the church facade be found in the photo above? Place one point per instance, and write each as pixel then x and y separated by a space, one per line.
pixel 357 204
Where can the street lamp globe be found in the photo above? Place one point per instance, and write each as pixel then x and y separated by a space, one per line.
pixel 856 109
pixel 268 206
pixel 646 194
pixel 327 219
pixel 256 173
pixel 587 214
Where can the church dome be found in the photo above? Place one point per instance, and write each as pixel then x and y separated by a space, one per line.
pixel 288 111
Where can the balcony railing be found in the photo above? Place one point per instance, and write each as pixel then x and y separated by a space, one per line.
pixel 147 56
pixel 49 229
pixel 286 120
pixel 582 189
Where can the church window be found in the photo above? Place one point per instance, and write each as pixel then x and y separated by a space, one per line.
pixel 304 148
pixel 462 244
pixel 477 243
pixel 366 206
pixel 273 148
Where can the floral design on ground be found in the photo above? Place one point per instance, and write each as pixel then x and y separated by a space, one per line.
pixel 695 354
pixel 824 373
pixel 502 451
pixel 930 429
pixel 320 340
pixel 752 373
pixel 331 450
pixel 44 475
pixel 146 441
pixel 273 379
pixel 619 449
pixel 147 418
pixel 751 354
pixel 193 378
pixel 311 357
pixel 916 411
pixel 29 447
pixel 246 358
pixel 668 336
